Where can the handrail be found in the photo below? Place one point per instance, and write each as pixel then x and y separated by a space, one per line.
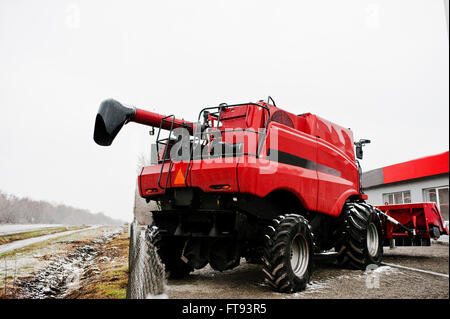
pixel 242 104
pixel 220 107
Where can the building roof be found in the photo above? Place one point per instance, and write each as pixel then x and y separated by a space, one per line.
pixel 417 168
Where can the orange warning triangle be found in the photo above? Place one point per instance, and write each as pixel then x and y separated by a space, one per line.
pixel 179 179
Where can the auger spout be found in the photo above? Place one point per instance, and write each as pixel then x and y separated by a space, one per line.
pixel 112 115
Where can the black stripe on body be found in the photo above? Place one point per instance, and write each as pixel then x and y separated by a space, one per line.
pixel 290 159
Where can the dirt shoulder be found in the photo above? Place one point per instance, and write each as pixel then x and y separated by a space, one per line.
pixel 108 278
pixel 64 267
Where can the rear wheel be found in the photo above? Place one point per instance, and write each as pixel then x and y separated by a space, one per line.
pixel 359 237
pixel 170 250
pixel 287 260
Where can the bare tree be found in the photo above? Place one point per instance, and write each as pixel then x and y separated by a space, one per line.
pixel 25 210
pixel 141 207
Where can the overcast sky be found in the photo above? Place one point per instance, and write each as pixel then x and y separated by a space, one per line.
pixel 378 67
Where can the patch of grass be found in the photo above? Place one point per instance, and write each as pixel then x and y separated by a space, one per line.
pixel 113 292
pixel 114 282
pixel 2 279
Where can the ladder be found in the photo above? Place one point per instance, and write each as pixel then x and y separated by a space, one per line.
pixel 165 143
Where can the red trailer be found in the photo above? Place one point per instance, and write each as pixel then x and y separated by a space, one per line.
pixel 412 224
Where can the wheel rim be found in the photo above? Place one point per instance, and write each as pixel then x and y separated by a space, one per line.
pixel 372 240
pixel 299 255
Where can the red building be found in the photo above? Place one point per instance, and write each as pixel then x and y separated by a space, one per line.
pixel 424 179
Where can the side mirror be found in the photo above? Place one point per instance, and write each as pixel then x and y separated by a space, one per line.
pixel 359 147
pixel 359 152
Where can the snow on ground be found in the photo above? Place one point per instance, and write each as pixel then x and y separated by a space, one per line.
pixel 318 286
pixel 442 239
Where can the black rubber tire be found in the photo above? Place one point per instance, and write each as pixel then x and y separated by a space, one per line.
pixel 435 233
pixel 169 250
pixel 351 236
pixel 277 267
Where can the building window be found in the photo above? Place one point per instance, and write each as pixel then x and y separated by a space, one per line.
pixel 439 195
pixel 397 198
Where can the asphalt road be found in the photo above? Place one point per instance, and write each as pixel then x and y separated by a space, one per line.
pixel 30 241
pixel 11 229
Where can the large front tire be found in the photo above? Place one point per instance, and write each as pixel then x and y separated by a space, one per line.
pixel 359 236
pixel 287 260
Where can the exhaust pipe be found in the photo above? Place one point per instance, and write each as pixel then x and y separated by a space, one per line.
pixel 112 116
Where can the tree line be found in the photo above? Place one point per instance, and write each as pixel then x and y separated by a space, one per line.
pixel 15 210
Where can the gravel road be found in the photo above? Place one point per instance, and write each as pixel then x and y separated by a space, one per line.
pixel 65 258
pixel 329 281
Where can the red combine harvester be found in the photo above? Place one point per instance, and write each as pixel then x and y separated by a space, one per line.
pixel 252 180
